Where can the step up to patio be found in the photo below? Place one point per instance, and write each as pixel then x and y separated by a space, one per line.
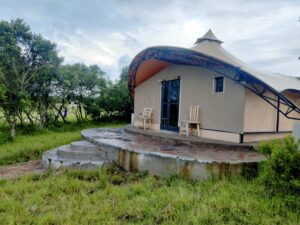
pixel 83 146
pixel 69 152
pixel 79 154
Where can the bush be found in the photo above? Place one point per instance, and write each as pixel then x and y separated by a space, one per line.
pixel 281 171
pixel 114 103
pixel 4 136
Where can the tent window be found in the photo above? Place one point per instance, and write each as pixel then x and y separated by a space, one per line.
pixel 219 84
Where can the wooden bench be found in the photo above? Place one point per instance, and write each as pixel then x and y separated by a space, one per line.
pixel 194 119
pixel 145 118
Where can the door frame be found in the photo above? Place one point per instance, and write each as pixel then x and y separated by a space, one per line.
pixel 170 128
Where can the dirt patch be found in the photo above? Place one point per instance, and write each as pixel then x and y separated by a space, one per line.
pixel 16 170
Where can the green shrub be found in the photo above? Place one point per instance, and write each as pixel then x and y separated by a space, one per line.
pixel 281 171
pixel 4 137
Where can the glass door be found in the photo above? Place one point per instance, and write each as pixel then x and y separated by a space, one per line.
pixel 170 105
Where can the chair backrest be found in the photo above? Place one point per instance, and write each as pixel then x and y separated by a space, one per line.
pixel 194 113
pixel 147 112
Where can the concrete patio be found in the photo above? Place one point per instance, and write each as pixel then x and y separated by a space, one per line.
pixel 164 135
pixel 159 153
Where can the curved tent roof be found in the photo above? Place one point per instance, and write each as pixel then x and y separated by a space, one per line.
pixel 212 47
pixel 208 52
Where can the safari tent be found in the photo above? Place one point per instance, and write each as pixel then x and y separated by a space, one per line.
pixel 237 102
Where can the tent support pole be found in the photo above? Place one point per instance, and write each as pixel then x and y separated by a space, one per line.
pixel 277 117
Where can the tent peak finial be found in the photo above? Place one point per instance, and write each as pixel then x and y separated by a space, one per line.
pixel 208 36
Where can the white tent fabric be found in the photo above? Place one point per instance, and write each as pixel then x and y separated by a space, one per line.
pixel 211 46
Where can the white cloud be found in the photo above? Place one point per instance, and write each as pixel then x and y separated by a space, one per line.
pixel 109 33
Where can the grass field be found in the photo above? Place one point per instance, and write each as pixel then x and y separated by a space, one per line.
pixel 101 197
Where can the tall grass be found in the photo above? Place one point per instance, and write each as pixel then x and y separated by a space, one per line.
pixel 81 197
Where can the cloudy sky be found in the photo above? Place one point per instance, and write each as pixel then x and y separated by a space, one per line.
pixel 265 34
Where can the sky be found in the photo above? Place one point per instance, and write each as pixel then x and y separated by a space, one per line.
pixel 109 33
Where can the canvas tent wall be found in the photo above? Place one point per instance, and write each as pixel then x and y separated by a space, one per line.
pixel 218 112
pixel 263 122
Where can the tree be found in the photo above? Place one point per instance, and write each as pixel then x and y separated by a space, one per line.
pixel 114 101
pixel 79 82
pixel 23 56
pixel 41 88
pixel 35 87
pixel 124 74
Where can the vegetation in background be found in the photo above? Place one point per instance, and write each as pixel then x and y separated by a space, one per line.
pixel 23 57
pixel 36 90
pixel 78 82
pixel 114 102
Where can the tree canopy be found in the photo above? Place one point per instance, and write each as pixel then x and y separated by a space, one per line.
pixel 24 56
pixel 37 89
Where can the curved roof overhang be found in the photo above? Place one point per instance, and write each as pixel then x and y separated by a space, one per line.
pixel 152 60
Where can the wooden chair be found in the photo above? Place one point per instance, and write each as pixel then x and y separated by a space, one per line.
pixel 194 119
pixel 145 118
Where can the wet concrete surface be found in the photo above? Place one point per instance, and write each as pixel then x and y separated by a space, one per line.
pixel 220 153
